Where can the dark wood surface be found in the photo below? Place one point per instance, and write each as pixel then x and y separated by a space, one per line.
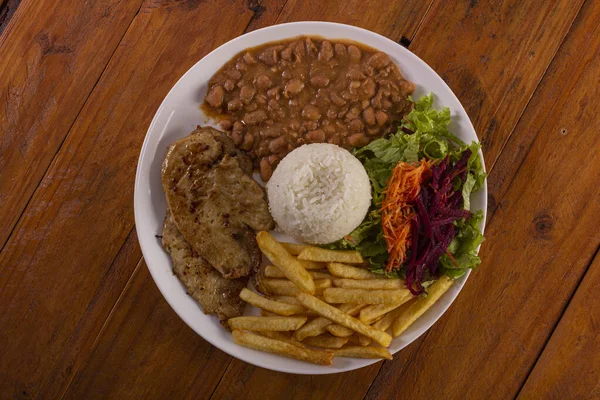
pixel 80 316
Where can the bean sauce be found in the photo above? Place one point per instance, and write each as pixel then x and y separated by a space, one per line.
pixel 281 95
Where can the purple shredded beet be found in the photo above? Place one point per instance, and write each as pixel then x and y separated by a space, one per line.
pixel 437 207
pixel 406 130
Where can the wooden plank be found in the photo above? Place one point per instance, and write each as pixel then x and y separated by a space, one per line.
pixel 569 367
pixel 75 224
pixel 493 55
pixel 51 56
pixel 147 351
pixel 7 10
pixel 257 383
pixel 502 319
pixel 544 104
pixel 388 18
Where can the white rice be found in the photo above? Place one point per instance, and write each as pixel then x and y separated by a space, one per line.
pixel 319 193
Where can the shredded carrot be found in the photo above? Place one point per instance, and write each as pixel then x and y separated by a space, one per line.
pixel 396 210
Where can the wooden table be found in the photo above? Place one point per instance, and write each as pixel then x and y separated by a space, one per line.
pixel 80 316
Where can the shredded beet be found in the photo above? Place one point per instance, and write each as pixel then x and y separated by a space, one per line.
pixel 432 226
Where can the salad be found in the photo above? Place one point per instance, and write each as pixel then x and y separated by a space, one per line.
pixel 420 226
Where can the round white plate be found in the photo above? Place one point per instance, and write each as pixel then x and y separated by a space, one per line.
pixel 179 114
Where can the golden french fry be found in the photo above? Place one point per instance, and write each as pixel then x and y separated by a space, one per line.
pixel 294 248
pixel 254 341
pixel 324 255
pixel 310 265
pixel 388 319
pixel 371 284
pixel 420 305
pixel 341 318
pixel 261 324
pixel 340 295
pixel 281 336
pixel 287 300
pixel 327 341
pixel 266 313
pixel 339 331
pixel 364 341
pixel 272 271
pixel 318 325
pixel 283 287
pixel 278 308
pixel 286 263
pixel 374 312
pixel 363 352
pixel 350 272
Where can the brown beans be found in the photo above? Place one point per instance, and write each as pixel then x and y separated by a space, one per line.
pixel 311 112
pixel 226 124
pixel 255 117
pixel 247 92
pixel 369 116
pixel 381 117
pixel 234 105
pixel 340 50
pixel 293 87
pixel 265 170
pixel 316 136
pixel 356 125
pixel 262 82
pixel 379 60
pixel 278 144
pixel 354 53
pixel 248 141
pixel 319 81
pixel 358 140
pixel 215 96
pixel 326 52
pixel 307 90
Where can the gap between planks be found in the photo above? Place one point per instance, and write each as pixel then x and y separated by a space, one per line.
pixel 551 333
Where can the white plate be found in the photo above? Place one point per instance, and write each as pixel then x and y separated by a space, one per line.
pixel 179 114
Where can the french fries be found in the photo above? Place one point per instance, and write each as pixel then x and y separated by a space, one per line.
pixel 372 284
pixel 272 271
pixel 350 272
pixel 420 305
pixel 388 319
pixel 294 248
pixel 327 341
pixel 283 287
pixel 261 324
pixel 254 341
pixel 286 263
pixel 363 352
pixel 341 318
pixel 372 313
pixel 282 336
pixel 324 255
pixel 319 325
pixel 350 308
pixel 278 308
pixel 339 331
pixel 340 295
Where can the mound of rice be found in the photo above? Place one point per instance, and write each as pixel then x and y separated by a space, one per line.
pixel 319 193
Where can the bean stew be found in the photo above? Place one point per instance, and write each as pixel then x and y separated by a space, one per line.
pixel 281 95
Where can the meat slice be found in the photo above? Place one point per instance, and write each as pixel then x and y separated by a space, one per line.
pixel 214 201
pixel 206 285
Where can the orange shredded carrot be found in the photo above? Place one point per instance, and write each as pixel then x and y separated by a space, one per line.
pixel 396 210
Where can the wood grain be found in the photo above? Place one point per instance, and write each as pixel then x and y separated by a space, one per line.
pixel 539 244
pixel 388 18
pixel 584 31
pixel 493 55
pixel 52 56
pixel 569 367
pixel 59 254
pixel 147 351
pixel 7 10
